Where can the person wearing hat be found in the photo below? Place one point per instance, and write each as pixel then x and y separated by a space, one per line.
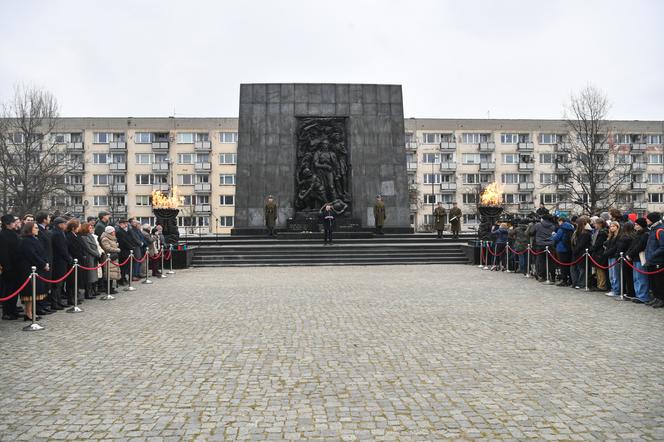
pixel 102 222
pixel 379 214
pixel 62 262
pixel 455 220
pixel 439 219
pixel 10 277
pixel 270 215
pixel 655 257
pixel 636 255
pixel 109 245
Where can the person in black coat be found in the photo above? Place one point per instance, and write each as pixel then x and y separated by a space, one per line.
pixel 62 260
pixel 627 235
pixel 127 243
pixel 31 254
pixel 327 218
pixel 43 220
pixel 10 277
pixel 636 251
pixel 597 252
pixel 76 251
pixel 581 240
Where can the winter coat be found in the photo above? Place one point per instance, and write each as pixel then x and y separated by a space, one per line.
pixel 614 246
pixel 521 239
pixel 438 218
pixel 542 231
pixel 31 253
pixel 327 219
pixel 109 245
pixel 637 246
pixel 379 213
pixel 563 237
pixel 76 248
pixel 580 242
pixel 126 241
pixel 655 245
pixel 9 242
pixel 62 259
pixel 92 256
pixel 500 234
pixel 597 246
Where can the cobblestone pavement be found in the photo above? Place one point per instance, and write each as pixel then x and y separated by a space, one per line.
pixel 339 353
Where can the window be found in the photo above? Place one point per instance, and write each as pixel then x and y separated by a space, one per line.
pixel 202 157
pixel 61 138
pixel 510 158
pixel 547 158
pixel 433 199
pixel 655 158
pixel 409 137
pixel 655 139
pixel 510 178
pixel 227 158
pixel 117 179
pixel 143 179
pixel 470 158
pixel 656 178
pixel 228 137
pixel 475 138
pixel 509 138
pixel 515 198
pixel 188 200
pixel 160 158
pixel 143 138
pixel 142 200
pixel 470 198
pixel 447 138
pixel 547 178
pixel 186 158
pixel 622 139
pixel 548 138
pixel 432 178
pixel 548 198
pixel 227 179
pixel 101 158
pixel 100 200
pixel 101 180
pixel 159 179
pixel 186 180
pixel 471 178
pixel 143 158
pixel 428 138
pixel 74 179
pixel 623 159
pixel 146 220
pixel 471 218
pixel 431 158
pixel 102 138
pixel 185 137
pixel 202 136
pixel 656 197
pixel 119 200
pixel 16 138
pixel 202 178
pixel 226 221
pixel 227 200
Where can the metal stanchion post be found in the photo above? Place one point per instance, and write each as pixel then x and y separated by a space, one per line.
pixel 528 262
pixel 163 274
pixel 108 296
pixel 548 276
pixel 622 288
pixel 507 257
pixel 481 254
pixel 170 260
pixel 587 279
pixel 147 270
pixel 130 287
pixel 34 326
pixel 75 308
pixel 486 255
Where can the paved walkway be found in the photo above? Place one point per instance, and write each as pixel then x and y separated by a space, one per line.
pixel 351 353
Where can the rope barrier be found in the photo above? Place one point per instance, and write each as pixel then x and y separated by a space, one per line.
pixel 523 252
pixel 643 272
pixel 566 264
pixel 56 281
pixel 156 257
pixel 601 266
pixel 92 268
pixel 497 254
pixel 123 264
pixel 20 289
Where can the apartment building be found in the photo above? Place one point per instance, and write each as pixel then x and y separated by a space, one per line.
pixel 122 160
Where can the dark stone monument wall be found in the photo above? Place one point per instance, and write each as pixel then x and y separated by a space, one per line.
pixel 267 147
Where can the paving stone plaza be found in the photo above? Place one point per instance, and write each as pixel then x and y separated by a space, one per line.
pixel 339 353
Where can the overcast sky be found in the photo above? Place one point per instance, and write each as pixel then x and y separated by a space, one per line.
pixel 514 59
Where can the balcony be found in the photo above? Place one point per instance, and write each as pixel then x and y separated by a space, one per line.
pixel 160 167
pixel 601 147
pixel 638 166
pixel 526 166
pixel 203 166
pixel 160 187
pixel 413 207
pixel 75 146
pixel 487 166
pixel 412 186
pixel 448 187
pixel 447 146
pixel 639 146
pixel 411 146
pixel 448 166
pixel 563 186
pixel 526 147
pixel 118 167
pixel 639 186
pixel 202 208
pixel 526 206
pixel 602 186
pixel 203 146
pixel 203 187
pixel 411 167
pixel 487 147
pixel 160 145
pixel 78 208
pixel 78 166
pixel 560 165
pixel 640 205
pixel 120 187
pixel 527 186
pixel 566 206
pixel 120 209
pixel 117 145
pixel 563 147
pixel 75 188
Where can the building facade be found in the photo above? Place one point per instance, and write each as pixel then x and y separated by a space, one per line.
pixel 124 159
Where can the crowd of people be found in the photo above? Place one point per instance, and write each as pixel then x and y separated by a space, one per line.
pixel 51 244
pixel 607 238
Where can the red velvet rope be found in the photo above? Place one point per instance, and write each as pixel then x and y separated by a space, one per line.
pixel 643 272
pixel 497 254
pixel 57 280
pixel 517 253
pixel 27 281
pixel 124 263
pixel 567 264
pixel 601 266
pixel 93 268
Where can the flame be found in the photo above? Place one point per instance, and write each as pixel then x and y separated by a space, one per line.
pixel 161 201
pixel 492 195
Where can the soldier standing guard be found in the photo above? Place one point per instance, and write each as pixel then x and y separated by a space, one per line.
pixel 439 219
pixel 270 215
pixel 327 217
pixel 379 214
pixel 455 220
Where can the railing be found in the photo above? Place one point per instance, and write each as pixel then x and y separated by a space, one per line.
pixel 526 146
pixel 203 166
pixel 639 146
pixel 121 209
pixel 160 167
pixel 526 186
pixel 160 187
pixel 526 206
pixel 203 187
pixel 411 167
pixel 203 145
pixel 78 208
pixel 640 205
pixel 487 166
pixel 566 206
pixel 639 166
pixel 202 208
pixel 75 146
pixel 563 147
pixel 450 165
pixel 411 146
pixel 119 187
pixel 118 167
pixel 639 186
pixel 79 166
pixel 526 166
pixel 602 147
pixel 448 186
pixel 160 145
pixel 448 145
pixel 488 147
pixel 75 188
pixel 117 145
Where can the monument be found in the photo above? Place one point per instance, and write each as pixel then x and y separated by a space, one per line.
pixel 311 144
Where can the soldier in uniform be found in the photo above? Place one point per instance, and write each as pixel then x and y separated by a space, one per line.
pixel 439 219
pixel 327 218
pixel 455 220
pixel 270 215
pixel 379 214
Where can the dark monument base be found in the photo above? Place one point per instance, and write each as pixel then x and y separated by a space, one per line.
pixel 305 222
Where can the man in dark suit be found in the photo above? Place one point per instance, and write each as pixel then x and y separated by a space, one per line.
pixel 49 305
pixel 8 255
pixel 127 243
pixel 62 261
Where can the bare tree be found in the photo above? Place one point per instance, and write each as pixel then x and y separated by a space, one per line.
pixel 32 163
pixel 593 180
